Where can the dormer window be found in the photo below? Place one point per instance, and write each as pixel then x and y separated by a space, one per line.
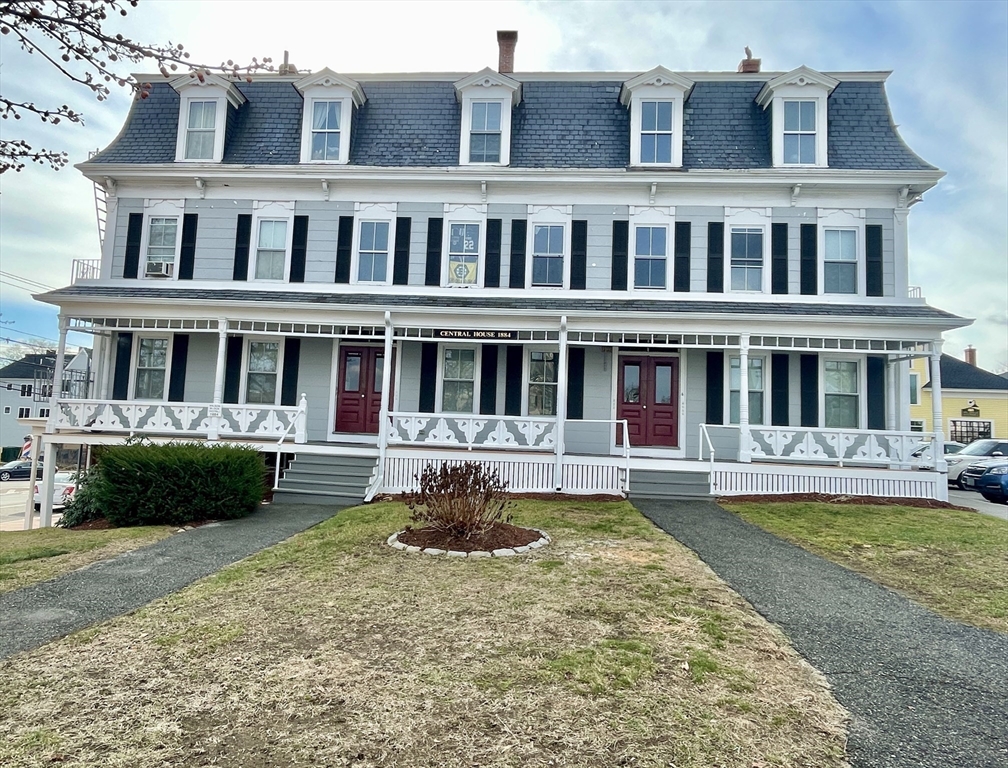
pixel 797 103
pixel 799 132
pixel 656 100
pixel 656 132
pixel 329 100
pixel 487 98
pixel 200 133
pixel 485 135
pixel 203 116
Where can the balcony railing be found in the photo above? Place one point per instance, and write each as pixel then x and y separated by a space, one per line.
pixel 915 292
pixel 85 269
pixel 513 433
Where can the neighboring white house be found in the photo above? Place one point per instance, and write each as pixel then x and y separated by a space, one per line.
pixel 569 272
pixel 19 398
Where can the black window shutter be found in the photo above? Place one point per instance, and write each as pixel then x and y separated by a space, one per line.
pixel 400 264
pixel 513 381
pixel 809 269
pixel 876 392
pixel 435 230
pixel 292 359
pixel 187 252
pixel 715 387
pixel 120 375
pixel 809 390
pixel 715 258
pixel 488 380
pixel 575 382
pixel 232 369
pixel 243 235
pixel 179 357
pixel 778 258
pixel 620 249
pixel 299 249
pixel 681 268
pixel 134 230
pixel 873 260
pixel 779 375
pixel 516 277
pixel 493 254
pixel 579 255
pixel 344 244
pixel 428 375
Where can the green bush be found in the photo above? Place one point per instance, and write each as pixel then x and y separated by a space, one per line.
pixel 82 507
pixel 176 483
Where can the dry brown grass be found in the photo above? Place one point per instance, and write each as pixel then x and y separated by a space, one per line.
pixel 613 646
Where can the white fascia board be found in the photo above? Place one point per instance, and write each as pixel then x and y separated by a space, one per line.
pixel 657 76
pixel 802 76
pixel 184 82
pixel 486 78
pixel 328 79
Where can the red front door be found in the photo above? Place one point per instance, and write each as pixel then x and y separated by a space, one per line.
pixel 358 396
pixel 648 398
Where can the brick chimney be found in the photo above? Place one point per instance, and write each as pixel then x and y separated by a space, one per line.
pixel 506 42
pixel 970 355
pixel 749 64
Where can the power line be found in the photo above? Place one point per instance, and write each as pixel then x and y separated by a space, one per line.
pixel 23 282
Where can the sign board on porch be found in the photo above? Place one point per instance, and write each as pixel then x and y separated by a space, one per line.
pixel 214 410
pixel 474 333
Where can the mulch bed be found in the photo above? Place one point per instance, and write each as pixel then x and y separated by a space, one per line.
pixel 499 536
pixel 825 498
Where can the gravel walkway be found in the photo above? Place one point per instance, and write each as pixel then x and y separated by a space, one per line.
pixel 43 612
pixel 923 691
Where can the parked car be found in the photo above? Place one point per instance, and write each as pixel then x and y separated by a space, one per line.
pixel 990 478
pixel 64 487
pixel 19 469
pixel 951 447
pixel 976 450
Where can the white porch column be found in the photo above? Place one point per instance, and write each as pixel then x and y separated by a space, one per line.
pixel 890 385
pixel 30 504
pixel 386 397
pixel 218 390
pixel 561 405
pixel 49 469
pixel 936 408
pixel 745 451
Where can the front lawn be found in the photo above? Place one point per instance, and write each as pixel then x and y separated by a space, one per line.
pixel 27 557
pixel 955 563
pixel 612 646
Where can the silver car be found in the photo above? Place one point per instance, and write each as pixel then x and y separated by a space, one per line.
pixel 978 449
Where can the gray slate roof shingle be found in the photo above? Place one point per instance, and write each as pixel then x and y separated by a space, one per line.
pixel 25 367
pixel 958 374
pixel 558 124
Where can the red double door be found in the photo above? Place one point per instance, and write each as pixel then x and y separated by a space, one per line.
pixel 358 396
pixel 648 398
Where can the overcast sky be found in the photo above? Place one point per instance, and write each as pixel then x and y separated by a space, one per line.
pixel 948 95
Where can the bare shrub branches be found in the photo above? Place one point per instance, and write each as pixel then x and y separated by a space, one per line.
pixel 462 500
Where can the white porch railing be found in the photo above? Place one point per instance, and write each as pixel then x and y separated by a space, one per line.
pixel 183 419
pixel 85 269
pixel 511 433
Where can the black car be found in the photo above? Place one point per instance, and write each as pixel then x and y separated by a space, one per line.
pixel 19 470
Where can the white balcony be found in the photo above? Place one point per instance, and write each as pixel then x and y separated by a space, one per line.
pixel 510 433
pixel 85 269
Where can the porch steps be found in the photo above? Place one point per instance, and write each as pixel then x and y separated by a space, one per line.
pixel 669 484
pixel 321 479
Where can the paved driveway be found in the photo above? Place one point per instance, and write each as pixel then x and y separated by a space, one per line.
pixel 974 500
pixel 923 691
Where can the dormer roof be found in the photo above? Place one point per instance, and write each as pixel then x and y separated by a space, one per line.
pixel 487 78
pixel 803 76
pixel 183 82
pixel 326 78
pixel 659 76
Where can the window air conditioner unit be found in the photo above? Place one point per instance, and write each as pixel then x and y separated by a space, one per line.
pixel 159 269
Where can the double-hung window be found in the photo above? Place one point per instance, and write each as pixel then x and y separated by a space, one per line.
pixel 200 130
pixel 485 132
pixel 757 388
pixel 458 380
pixel 650 257
pixel 161 237
pixel 372 264
pixel 263 368
pixel 271 251
pixel 841 394
pixel 542 394
pixel 800 132
pixel 548 255
pixel 463 254
pixel 747 259
pixel 152 363
pixel 325 134
pixel 656 132
pixel 840 264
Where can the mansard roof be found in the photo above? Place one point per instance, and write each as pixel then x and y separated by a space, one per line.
pixel 561 122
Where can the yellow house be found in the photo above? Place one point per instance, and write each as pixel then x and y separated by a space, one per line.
pixel 974 401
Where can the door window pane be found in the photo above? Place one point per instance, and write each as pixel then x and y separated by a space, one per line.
pixel 463 254
pixel 264 363
pixel 542 383
pixel 379 373
pixel 352 373
pixel 663 384
pixel 631 383
pixel 152 362
pixel 374 247
pixel 458 381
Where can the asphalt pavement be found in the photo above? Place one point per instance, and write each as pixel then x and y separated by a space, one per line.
pixel 923 691
pixel 974 500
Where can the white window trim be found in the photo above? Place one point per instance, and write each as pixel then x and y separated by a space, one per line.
pixel 206 93
pixel 319 93
pixel 549 215
pixel 243 384
pixel 270 211
pixel 477 368
pixel 134 360
pixel 527 351
pixel 373 212
pixel 800 93
pixel 862 395
pixel 767 397
pixel 26 390
pixel 841 218
pixel 651 216
pixel 7 409
pixel 157 209
pixel 922 422
pixel 658 84
pixel 493 93
pixel 24 412
pixel 747 218
pixel 464 214
pixel 43 413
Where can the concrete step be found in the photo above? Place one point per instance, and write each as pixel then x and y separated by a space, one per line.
pixel 319 460
pixel 655 475
pixel 292 496
pixel 362 471
pixel 657 484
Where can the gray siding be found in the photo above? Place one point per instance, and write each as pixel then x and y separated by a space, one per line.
pixel 323 226
pixel 694 384
pixel 124 208
pixel 506 213
pixel 699 216
pixel 593 439
pixel 794 218
pixel 418 214
pixel 201 367
pixel 884 217
pixel 215 236
pixel 314 378
pixel 600 219
pixel 409 376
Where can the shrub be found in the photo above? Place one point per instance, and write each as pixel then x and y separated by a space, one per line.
pixel 463 500
pixel 82 507
pixel 177 483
